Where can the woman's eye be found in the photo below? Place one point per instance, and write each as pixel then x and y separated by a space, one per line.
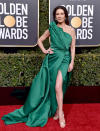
pixel 62 13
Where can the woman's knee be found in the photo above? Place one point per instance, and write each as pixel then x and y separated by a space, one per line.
pixel 58 82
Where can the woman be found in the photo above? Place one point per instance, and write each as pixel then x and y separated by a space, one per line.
pixel 45 98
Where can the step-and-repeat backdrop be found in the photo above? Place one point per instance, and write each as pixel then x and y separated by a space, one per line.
pixel 84 17
pixel 19 23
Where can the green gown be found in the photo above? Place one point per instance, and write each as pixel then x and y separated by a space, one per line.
pixel 41 101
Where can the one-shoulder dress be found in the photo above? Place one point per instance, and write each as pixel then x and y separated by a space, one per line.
pixel 41 102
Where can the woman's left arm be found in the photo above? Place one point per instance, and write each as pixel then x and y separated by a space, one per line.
pixel 72 48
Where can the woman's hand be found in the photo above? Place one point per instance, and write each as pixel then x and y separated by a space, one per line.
pixel 48 51
pixel 70 68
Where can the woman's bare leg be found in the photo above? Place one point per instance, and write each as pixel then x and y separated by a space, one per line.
pixel 59 96
pixel 59 93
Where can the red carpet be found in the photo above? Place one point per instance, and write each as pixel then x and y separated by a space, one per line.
pixel 79 117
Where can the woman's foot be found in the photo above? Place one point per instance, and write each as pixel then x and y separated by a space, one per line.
pixel 62 120
pixel 56 115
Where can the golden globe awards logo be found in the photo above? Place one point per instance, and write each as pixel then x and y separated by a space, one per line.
pixel 82 16
pixel 19 23
pixel 13 21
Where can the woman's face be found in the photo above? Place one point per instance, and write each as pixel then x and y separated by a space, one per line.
pixel 60 15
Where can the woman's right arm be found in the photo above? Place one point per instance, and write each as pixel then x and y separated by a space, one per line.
pixel 45 35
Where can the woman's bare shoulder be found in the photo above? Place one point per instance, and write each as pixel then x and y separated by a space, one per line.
pixel 70 30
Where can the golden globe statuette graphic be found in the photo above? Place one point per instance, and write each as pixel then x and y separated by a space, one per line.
pixel 9 21
pixel 76 22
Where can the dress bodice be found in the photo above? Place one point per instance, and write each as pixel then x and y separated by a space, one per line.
pixel 58 38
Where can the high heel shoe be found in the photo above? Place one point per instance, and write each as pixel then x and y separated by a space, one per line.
pixel 62 123
pixel 56 115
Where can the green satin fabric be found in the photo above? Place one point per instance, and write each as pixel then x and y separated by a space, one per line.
pixel 41 101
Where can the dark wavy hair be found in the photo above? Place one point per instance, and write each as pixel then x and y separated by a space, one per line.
pixel 65 11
